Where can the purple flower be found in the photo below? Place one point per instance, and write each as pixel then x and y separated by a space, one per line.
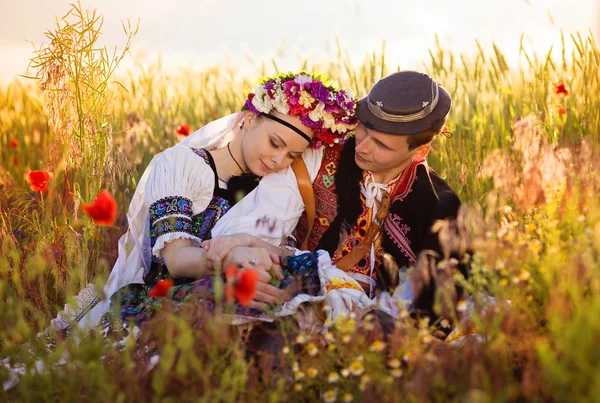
pixel 333 109
pixel 248 105
pixel 308 122
pixel 270 85
pixel 319 91
pixel 293 99
pixel 290 87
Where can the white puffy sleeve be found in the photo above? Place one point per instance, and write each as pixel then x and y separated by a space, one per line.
pixel 271 211
pixel 180 186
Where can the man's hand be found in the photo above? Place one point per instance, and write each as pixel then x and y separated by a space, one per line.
pixel 218 248
pixel 264 263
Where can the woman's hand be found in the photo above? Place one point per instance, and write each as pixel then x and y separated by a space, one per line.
pixel 265 264
pixel 219 247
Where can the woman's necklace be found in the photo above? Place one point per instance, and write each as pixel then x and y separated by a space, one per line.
pixel 233 158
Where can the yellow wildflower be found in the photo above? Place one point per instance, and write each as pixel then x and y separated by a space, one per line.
pixel 333 377
pixel 300 339
pixel 312 372
pixel 348 398
pixel 461 306
pixel 394 363
pixel 356 368
pixel 285 350
pixel 298 375
pixel 330 396
pixel 396 372
pixel 345 372
pixel 377 346
pixel 311 349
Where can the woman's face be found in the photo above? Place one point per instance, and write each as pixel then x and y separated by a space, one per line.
pixel 269 146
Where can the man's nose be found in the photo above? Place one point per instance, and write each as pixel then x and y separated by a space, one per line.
pixel 363 145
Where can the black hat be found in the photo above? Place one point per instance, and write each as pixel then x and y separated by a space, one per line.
pixel 404 103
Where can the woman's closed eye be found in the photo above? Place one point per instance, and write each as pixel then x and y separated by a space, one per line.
pixel 277 147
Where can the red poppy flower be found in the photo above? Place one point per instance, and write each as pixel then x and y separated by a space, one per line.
pixel 161 288
pixel 14 143
pixel 562 111
pixel 560 89
pixel 16 161
pixel 38 180
pixel 103 210
pixel 184 129
pixel 241 285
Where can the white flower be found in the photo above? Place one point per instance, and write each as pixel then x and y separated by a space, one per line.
pixel 333 377
pixel 330 396
pixel 311 349
pixel 316 114
pixel 302 79
pixel 348 398
pixel 280 102
pixel 394 363
pixel 356 368
pixel 261 100
pixel 329 121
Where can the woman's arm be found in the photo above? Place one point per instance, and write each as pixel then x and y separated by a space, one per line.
pixel 185 260
pixel 218 248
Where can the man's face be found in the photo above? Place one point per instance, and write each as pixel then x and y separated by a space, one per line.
pixel 379 152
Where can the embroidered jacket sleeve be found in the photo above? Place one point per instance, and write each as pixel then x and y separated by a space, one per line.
pixel 180 186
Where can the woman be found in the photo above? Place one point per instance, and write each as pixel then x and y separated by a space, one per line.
pixel 189 187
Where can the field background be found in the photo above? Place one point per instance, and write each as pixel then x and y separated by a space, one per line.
pixel 523 157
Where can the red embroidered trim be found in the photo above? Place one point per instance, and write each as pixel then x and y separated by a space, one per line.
pixel 407 178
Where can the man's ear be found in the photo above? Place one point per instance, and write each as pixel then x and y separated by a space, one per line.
pixel 421 152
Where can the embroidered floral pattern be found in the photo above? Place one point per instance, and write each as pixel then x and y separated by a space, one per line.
pixel 201 152
pixel 170 206
pixel 397 231
pixel 170 224
pixel 204 223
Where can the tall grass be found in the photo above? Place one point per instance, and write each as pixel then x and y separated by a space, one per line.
pixel 523 158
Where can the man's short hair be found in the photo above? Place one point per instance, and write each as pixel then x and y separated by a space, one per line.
pixel 427 136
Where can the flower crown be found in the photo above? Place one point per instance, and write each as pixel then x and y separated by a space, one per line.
pixel 329 112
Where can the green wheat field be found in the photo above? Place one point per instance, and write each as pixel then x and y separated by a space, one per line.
pixel 523 157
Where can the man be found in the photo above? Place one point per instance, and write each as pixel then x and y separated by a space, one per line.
pixel 373 196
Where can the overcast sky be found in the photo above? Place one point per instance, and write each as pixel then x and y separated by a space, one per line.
pixel 201 32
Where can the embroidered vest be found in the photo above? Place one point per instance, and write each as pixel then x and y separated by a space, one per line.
pixel 326 210
pixel 325 199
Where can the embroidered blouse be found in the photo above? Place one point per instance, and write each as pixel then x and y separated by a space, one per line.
pixel 186 199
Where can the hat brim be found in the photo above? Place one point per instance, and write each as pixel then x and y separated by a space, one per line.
pixel 367 118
